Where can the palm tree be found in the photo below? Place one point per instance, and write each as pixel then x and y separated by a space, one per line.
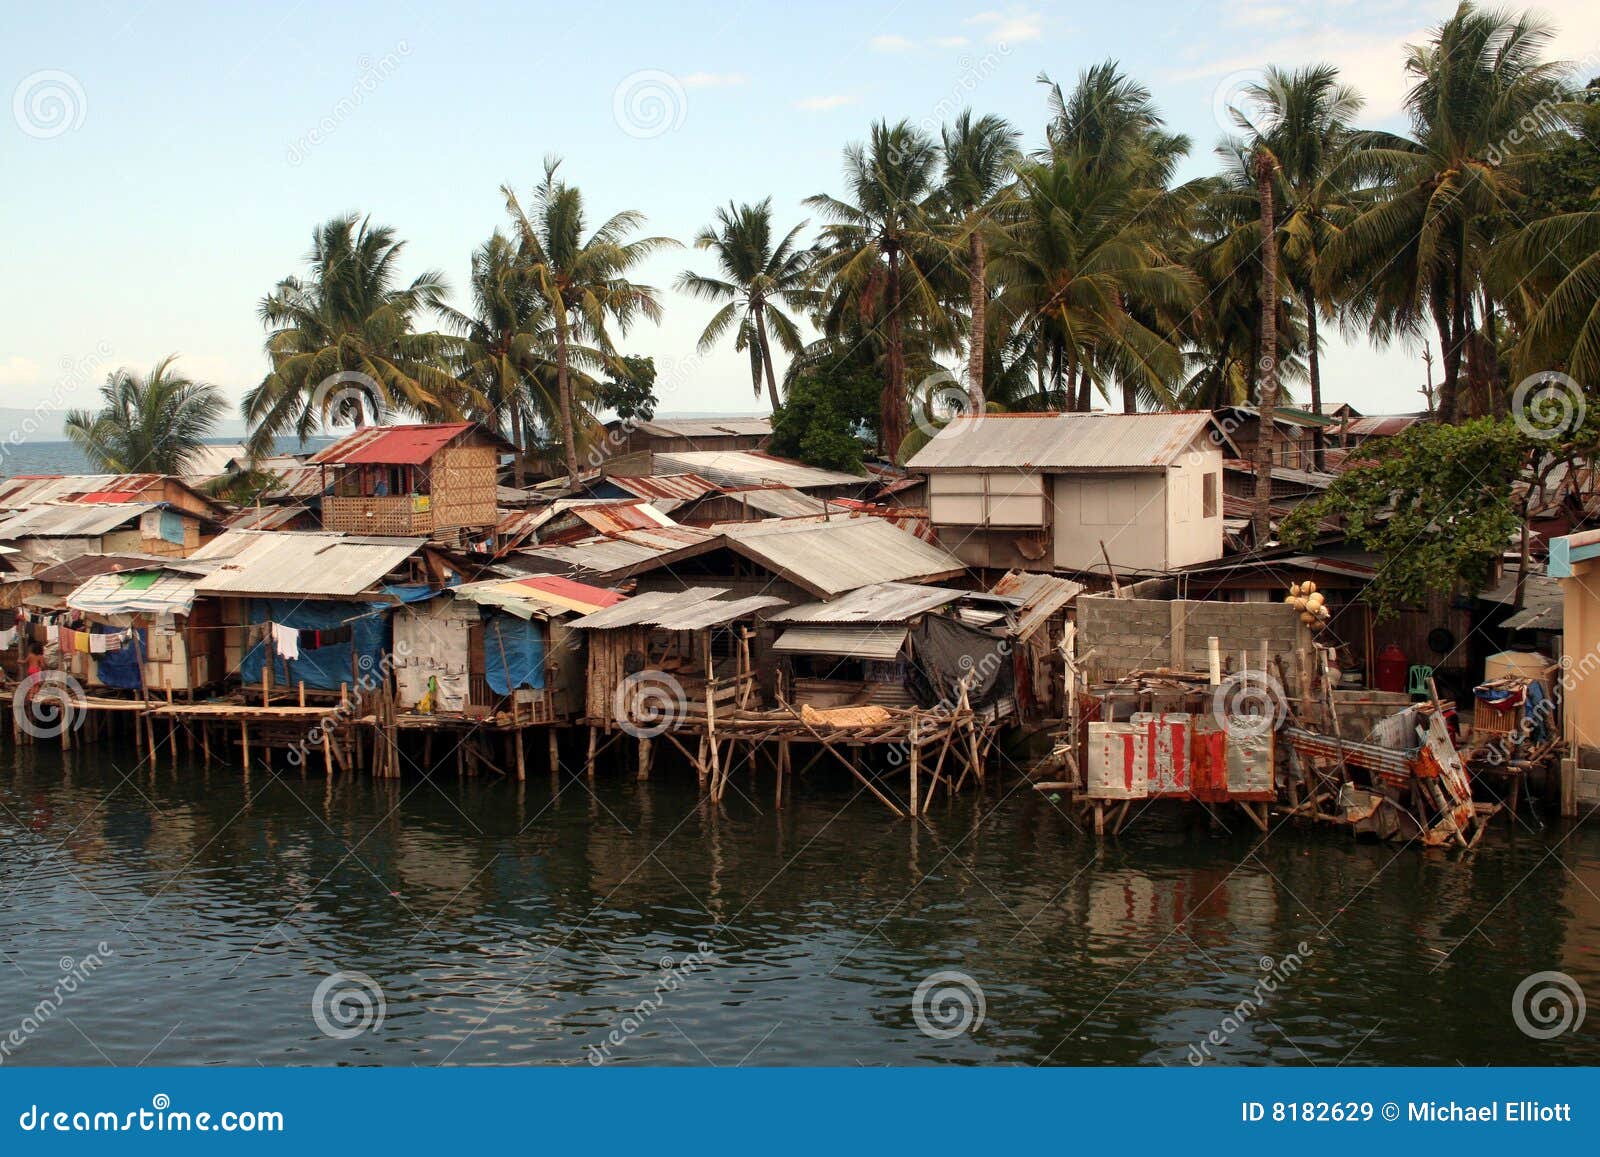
pixel 1441 193
pixel 350 317
pixel 582 281
pixel 1081 264
pixel 756 277
pixel 1303 120
pixel 151 423
pixel 507 346
pixel 980 157
pixel 878 254
pixel 1111 119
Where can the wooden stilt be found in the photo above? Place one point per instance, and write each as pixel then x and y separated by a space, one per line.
pixel 594 741
pixel 522 756
pixel 555 752
pixel 644 758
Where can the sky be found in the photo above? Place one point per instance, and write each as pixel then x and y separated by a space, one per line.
pixel 164 164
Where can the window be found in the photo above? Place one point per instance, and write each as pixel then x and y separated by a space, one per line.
pixel 986 499
pixel 1208 496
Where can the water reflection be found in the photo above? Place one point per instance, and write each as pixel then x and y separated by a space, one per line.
pixel 528 922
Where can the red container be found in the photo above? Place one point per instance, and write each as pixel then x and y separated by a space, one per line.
pixel 1393 667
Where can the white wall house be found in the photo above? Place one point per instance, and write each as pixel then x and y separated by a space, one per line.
pixel 1042 491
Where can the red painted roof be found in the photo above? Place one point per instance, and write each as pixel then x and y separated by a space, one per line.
pixel 568 589
pixel 109 496
pixel 391 445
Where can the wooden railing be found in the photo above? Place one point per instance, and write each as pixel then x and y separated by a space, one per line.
pixel 390 514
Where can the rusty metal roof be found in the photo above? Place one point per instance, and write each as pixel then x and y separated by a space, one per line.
pixel 605 554
pixel 390 445
pixel 691 609
pixel 265 517
pixel 880 603
pixel 1092 441
pixel 679 486
pixel 272 563
pixel 1378 425
pixel 1041 596
pixel 734 427
pixel 541 595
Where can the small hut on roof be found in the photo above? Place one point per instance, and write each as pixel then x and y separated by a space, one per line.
pixel 436 481
pixel 140 628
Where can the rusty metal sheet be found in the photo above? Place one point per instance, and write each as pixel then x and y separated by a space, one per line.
pixel 1249 764
pixel 1119 761
pixel 1168 734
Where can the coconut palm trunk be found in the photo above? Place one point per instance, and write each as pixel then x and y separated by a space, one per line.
pixel 766 355
pixel 1268 359
pixel 569 443
pixel 1314 372
pixel 892 408
pixel 978 290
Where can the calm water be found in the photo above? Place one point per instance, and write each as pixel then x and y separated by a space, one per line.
pixel 521 924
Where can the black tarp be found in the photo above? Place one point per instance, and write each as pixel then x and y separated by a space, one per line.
pixel 944 651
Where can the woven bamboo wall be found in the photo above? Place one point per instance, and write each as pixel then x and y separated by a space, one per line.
pixel 464 486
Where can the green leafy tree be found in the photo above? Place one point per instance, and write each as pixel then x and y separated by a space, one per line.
pixel 829 414
pixel 759 279
pixel 628 390
pixel 147 423
pixel 1436 503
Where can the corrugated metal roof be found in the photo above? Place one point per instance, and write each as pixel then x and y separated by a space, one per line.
pixel 617 515
pixel 692 609
pixel 212 459
pixel 306 563
pixel 110 594
pixel 1041 596
pixel 830 558
pixel 33 489
pixel 737 426
pixel 879 603
pixel 1313 479
pixel 778 501
pixel 1062 441
pixel 542 595
pixel 265 517
pixel 299 481
pixel 753 468
pixel 75 570
pixel 390 445
pixel 72 519
pixel 603 555
pixel 881 643
pixel 678 486
pixel 1379 425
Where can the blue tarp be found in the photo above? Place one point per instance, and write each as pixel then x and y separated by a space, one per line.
pixel 325 668
pixel 513 653
pixel 120 669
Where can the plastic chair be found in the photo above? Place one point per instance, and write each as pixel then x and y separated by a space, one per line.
pixel 1417 680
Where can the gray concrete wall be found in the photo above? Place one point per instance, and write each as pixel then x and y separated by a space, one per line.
pixel 1127 635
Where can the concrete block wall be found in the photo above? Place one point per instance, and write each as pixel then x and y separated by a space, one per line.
pixel 1132 634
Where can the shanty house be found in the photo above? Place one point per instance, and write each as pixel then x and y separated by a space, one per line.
pixel 151 489
pixel 55 532
pixel 314 608
pixel 165 638
pixel 430 480
pixel 1051 491
pixel 479 647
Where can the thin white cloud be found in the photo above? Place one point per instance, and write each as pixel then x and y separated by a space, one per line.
pixel 1009 27
pixel 824 103
pixel 714 80
pixel 891 44
pixel 950 42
